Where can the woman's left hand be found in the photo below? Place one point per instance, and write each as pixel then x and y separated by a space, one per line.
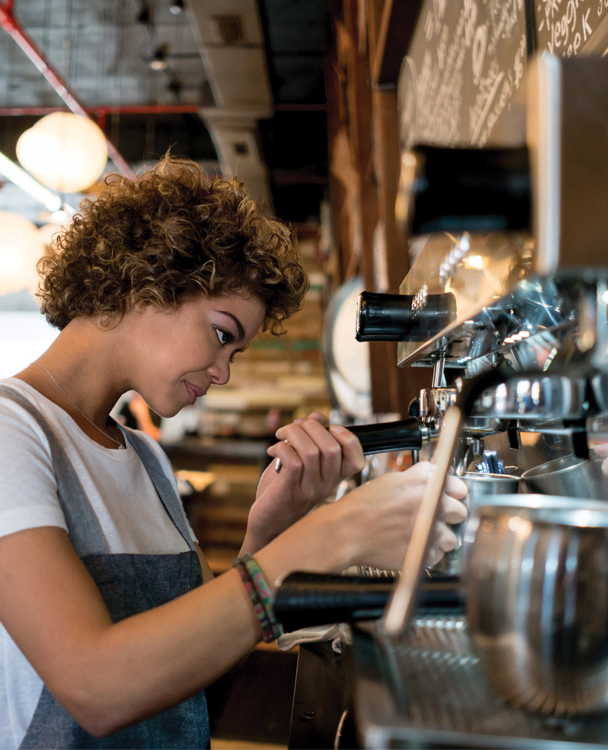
pixel 313 460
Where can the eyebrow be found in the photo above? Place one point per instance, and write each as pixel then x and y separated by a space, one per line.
pixel 239 327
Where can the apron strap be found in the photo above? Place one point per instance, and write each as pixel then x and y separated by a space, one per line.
pixel 84 529
pixel 166 491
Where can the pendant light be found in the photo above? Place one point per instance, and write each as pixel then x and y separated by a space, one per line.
pixel 64 151
pixel 20 249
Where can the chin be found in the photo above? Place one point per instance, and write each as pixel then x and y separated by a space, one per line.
pixel 168 412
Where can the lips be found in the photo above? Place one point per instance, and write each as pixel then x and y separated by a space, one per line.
pixel 193 392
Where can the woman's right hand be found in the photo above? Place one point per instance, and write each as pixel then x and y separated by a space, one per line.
pixel 384 512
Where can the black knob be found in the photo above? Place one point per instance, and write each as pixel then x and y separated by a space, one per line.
pixel 467 189
pixel 383 317
pixel 389 317
pixel 403 435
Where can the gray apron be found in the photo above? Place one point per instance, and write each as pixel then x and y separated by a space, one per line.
pixel 129 584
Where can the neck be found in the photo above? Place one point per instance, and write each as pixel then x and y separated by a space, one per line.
pixel 85 362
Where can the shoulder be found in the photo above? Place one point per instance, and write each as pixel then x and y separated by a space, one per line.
pixel 28 486
pixel 17 423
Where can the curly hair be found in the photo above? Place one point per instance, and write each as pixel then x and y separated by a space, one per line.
pixel 164 237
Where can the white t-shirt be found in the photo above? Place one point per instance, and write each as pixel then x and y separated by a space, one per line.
pixel 132 517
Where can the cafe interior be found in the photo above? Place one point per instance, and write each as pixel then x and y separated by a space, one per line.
pixel 444 168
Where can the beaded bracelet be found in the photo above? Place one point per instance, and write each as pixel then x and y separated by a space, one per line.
pixel 260 595
pixel 264 593
pixel 257 604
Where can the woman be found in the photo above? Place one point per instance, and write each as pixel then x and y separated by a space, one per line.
pixel 108 639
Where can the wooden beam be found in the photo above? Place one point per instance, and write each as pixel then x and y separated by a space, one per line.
pixel 403 384
pixel 394 35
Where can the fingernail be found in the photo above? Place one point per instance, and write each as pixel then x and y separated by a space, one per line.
pixel 336 428
pixel 278 465
pixel 297 421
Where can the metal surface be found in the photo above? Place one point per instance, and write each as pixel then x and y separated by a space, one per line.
pixel 434 403
pixel 535 397
pixel 568 476
pixel 509 287
pixel 537 602
pixel 430 690
pixel 480 488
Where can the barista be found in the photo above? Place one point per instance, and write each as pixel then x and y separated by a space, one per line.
pixel 106 630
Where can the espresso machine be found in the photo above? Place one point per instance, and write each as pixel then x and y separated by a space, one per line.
pixel 507 302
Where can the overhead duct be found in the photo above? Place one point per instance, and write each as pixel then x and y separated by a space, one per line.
pixel 9 23
pixel 231 42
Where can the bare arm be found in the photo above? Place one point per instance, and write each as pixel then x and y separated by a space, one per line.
pixel 108 676
pixel 111 675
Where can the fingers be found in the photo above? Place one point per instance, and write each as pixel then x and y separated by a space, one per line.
pixel 442 540
pixel 455 487
pixel 452 510
pixel 320 454
pixel 605 467
pixel 421 472
pixel 316 453
pixel 601 449
pixel 335 453
pixel 316 415
pixel 352 452
pixel 288 462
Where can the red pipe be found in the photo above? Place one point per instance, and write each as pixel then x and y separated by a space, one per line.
pixel 104 110
pixel 12 27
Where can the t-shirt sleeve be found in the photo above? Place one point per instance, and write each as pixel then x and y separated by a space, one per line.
pixel 167 468
pixel 28 488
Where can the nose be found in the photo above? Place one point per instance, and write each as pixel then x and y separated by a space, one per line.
pixel 219 372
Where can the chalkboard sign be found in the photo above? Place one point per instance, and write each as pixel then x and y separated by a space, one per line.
pixel 463 80
pixel 566 27
pixel 466 61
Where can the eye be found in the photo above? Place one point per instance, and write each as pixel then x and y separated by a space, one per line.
pixel 225 337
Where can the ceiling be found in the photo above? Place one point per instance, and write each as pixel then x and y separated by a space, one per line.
pixel 238 86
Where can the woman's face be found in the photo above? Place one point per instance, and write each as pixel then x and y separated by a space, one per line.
pixel 178 353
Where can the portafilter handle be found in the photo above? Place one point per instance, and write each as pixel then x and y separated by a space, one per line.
pixel 403 435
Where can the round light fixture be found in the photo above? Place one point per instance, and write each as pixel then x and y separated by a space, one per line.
pixel 159 61
pixel 64 151
pixel 20 248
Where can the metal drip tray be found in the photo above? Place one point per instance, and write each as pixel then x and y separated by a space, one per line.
pixel 431 691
